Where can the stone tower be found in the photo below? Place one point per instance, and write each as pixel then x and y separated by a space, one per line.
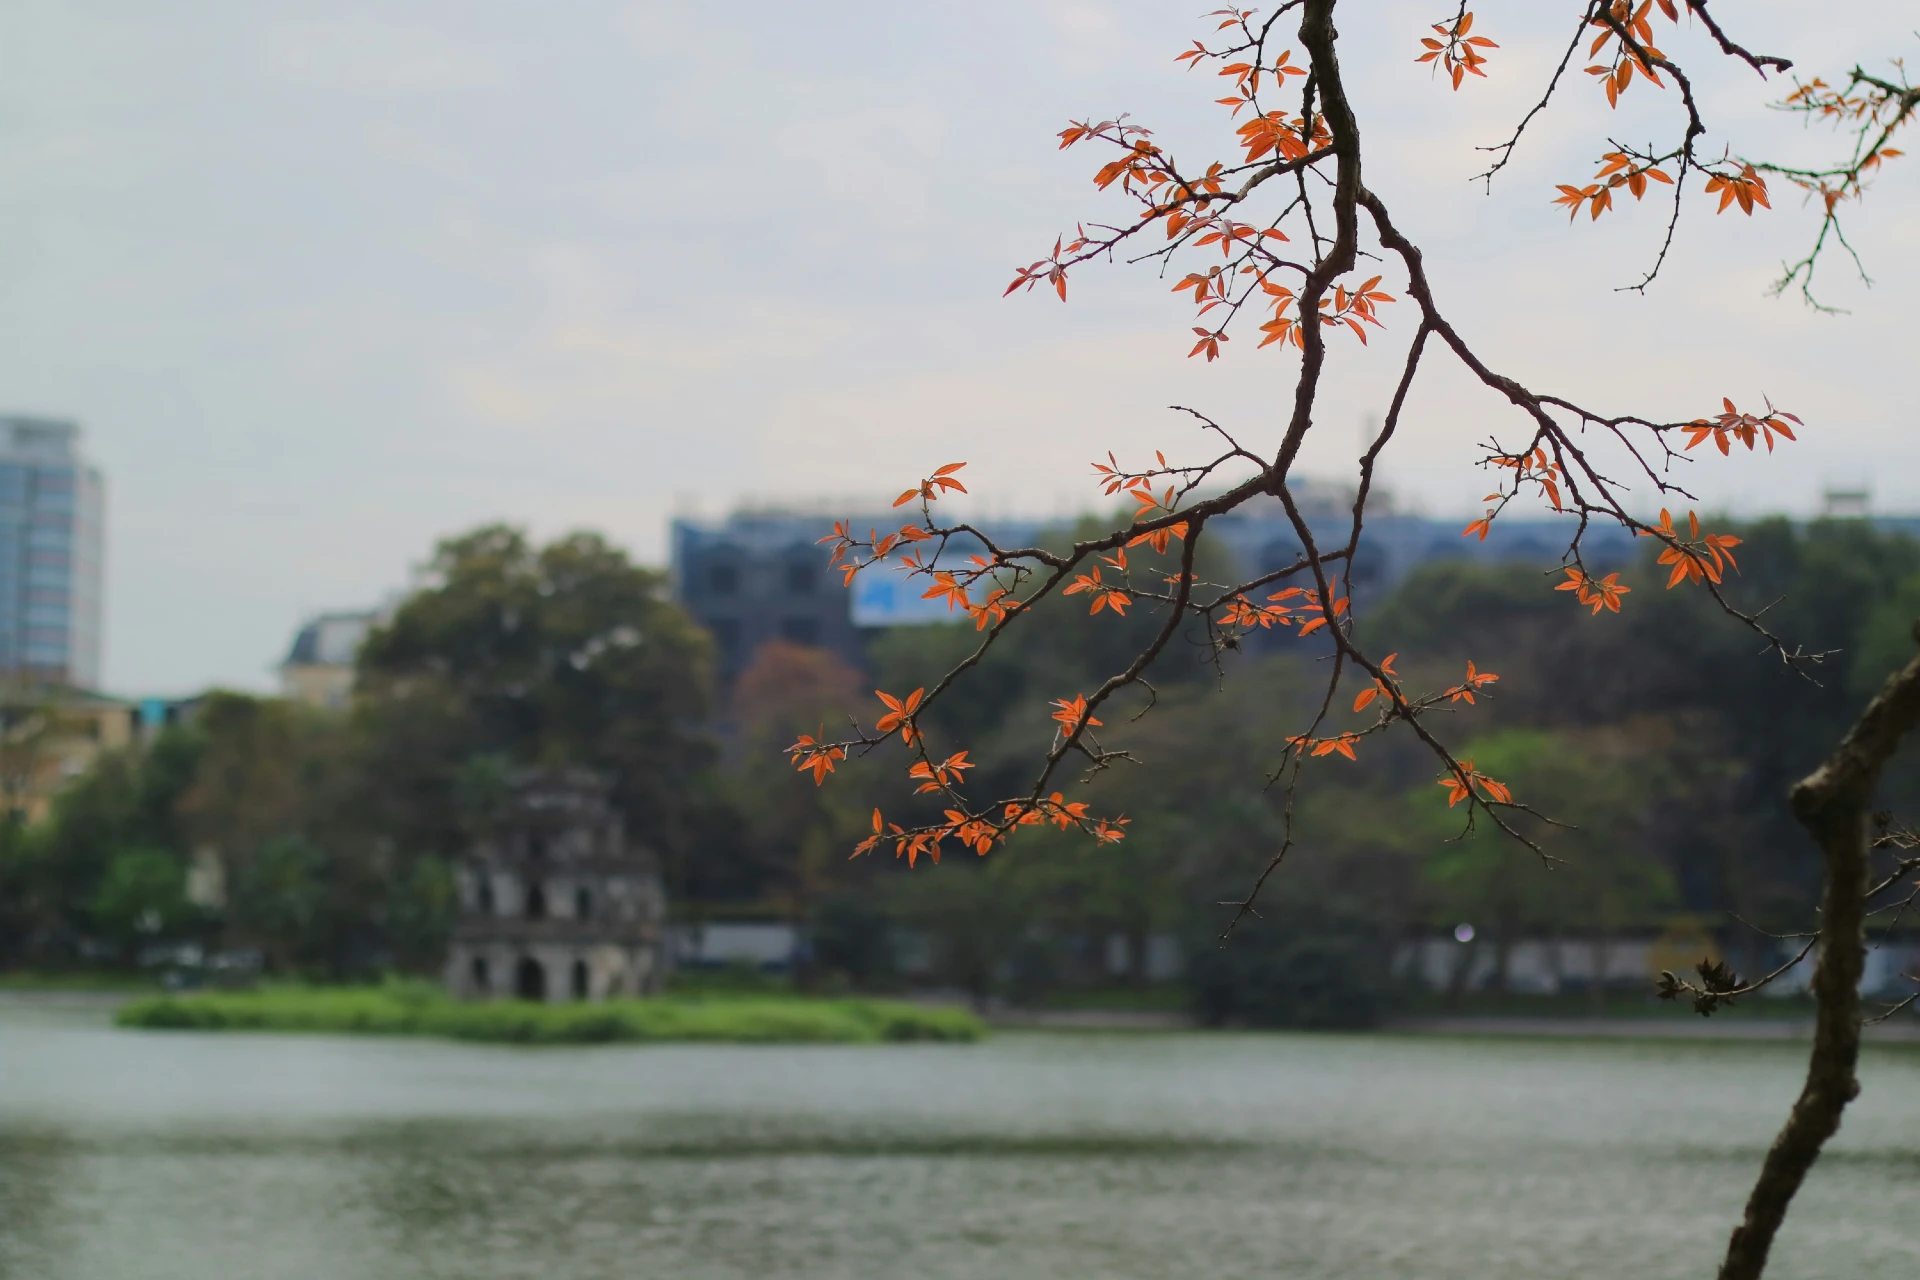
pixel 553 904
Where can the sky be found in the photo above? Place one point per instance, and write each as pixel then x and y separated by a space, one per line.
pixel 323 284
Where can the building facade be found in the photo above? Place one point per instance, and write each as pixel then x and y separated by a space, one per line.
pixel 50 734
pixel 52 526
pixel 553 903
pixel 318 670
pixel 763 575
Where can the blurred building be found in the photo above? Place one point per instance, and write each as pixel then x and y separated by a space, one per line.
pixel 52 513
pixel 318 670
pixel 49 735
pixel 763 575
pixel 553 902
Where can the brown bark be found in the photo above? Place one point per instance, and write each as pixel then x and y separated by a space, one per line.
pixel 1832 804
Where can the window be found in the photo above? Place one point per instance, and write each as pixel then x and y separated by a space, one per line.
pixel 800 578
pixel 536 902
pixel 723 579
pixel 580 979
pixel 583 903
pixel 486 897
pixel 479 970
pixel 800 630
pixel 529 979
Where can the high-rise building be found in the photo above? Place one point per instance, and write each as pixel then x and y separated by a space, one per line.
pixel 52 517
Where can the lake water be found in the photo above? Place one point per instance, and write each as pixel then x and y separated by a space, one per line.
pixel 149 1156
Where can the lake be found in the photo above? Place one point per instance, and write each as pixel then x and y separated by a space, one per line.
pixel 149 1156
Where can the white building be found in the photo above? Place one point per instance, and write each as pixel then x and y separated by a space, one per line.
pixel 319 667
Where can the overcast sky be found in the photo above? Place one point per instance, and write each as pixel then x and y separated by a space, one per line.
pixel 326 282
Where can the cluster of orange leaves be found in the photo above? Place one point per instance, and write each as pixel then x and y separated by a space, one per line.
pixel 1073 714
pixel 1380 688
pixel 994 608
pixel 817 754
pixel 1822 99
pixel 1456 52
pixel 973 833
pixel 934 485
pixel 1627 60
pixel 1619 170
pixel 980 835
pixel 1105 595
pixel 1461 785
pixel 1637 55
pixel 1340 744
pixel 1698 559
pixel 1242 612
pixel 1475 680
pixel 1744 427
pixel 899 715
pixel 1271 132
pixel 878 544
pixel 1601 593
pixel 1290 137
pixel 940 776
pixel 1747 188
pixel 1535 467
pixel 1142 493
pixel 1464 691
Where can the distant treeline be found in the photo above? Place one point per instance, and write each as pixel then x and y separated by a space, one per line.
pixel 1662 736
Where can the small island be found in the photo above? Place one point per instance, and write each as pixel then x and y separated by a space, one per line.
pixel 419 1009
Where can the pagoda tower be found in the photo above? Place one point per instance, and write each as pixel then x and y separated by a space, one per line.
pixel 553 903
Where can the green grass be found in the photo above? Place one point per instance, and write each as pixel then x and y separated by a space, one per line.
pixel 63 980
pixel 415 1009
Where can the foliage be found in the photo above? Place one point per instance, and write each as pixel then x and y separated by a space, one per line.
pixel 1321 965
pixel 562 654
pixel 142 899
pixel 414 1009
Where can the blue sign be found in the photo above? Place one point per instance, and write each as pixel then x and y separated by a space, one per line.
pixel 889 594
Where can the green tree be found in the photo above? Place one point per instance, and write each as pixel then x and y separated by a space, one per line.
pixel 563 654
pixel 142 900
pixel 1597 872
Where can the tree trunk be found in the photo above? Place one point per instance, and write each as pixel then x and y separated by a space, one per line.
pixel 1831 804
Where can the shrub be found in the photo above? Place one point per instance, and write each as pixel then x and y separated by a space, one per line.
pixel 1294 967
